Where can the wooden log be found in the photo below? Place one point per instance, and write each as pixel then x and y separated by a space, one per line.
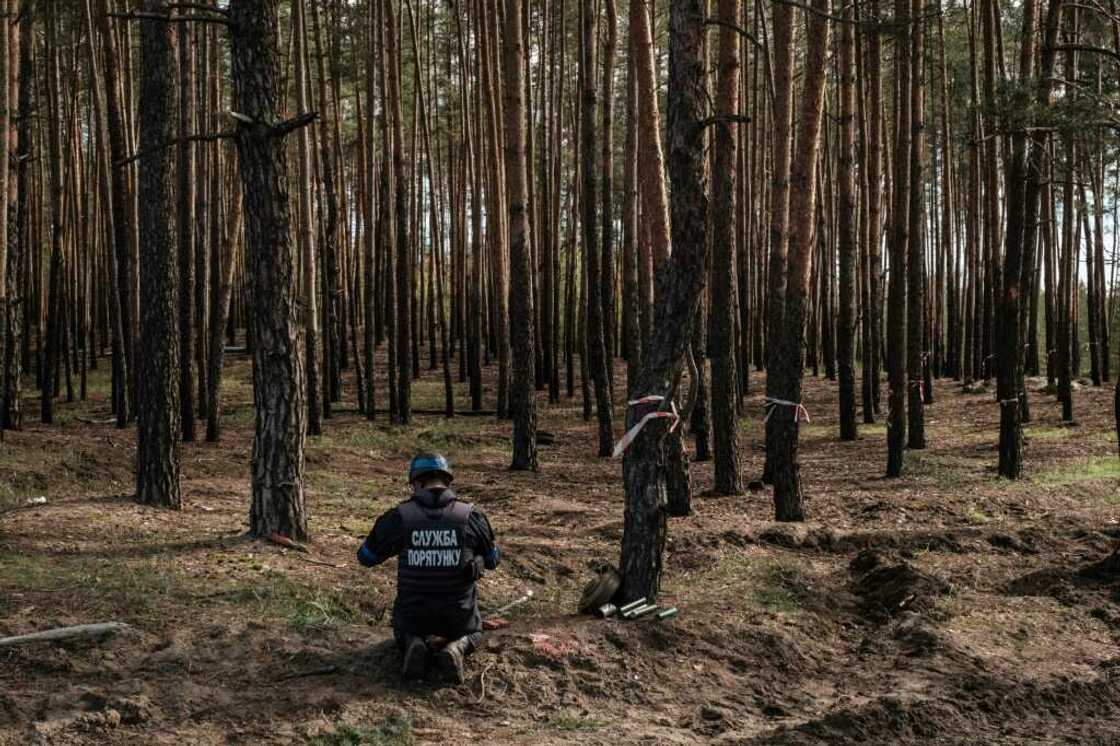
pixel 90 631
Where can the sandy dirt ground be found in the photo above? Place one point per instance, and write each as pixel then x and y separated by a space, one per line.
pixel 945 607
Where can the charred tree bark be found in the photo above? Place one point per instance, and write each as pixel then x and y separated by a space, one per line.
pixel 680 280
pixel 157 414
pixel 279 390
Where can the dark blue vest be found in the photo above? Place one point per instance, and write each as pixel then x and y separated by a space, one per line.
pixel 435 557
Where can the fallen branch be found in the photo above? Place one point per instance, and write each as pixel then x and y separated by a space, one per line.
pixel 284 541
pixel 314 561
pixel 89 631
pixel 324 671
pixel 482 684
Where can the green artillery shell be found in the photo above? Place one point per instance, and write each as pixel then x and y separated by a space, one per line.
pixel 624 610
pixel 641 611
pixel 667 613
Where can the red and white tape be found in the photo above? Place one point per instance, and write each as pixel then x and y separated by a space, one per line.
pixel 800 413
pixel 632 433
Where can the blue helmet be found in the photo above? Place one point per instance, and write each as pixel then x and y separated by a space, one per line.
pixel 429 463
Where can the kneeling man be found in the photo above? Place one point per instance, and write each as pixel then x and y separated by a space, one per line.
pixel 443 546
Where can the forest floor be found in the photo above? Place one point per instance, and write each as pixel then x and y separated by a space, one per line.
pixel 948 606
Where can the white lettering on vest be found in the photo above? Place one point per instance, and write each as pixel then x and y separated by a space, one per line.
pixel 447 537
pixel 433 557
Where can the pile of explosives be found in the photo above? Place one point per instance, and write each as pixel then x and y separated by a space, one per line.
pixel 597 597
pixel 635 610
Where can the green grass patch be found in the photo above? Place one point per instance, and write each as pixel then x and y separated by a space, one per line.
pixel 135 590
pixel 1041 432
pixel 276 595
pixel 238 415
pixel 977 515
pixel 426 434
pixel 773 584
pixel 930 467
pixel 1081 470
pixel 393 731
pixel 322 610
pixel 334 485
pixel 779 586
pixel 574 722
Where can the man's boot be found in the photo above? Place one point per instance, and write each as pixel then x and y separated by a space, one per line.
pixel 449 661
pixel 415 658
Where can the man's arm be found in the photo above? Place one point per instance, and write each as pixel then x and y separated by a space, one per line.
pixel 486 545
pixel 384 541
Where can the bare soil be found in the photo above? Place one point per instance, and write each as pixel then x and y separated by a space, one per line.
pixel 948 606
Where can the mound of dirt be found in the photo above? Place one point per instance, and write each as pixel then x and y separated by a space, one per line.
pixel 1107 570
pixel 1071 586
pixel 1049 581
pixel 980 706
pixel 918 637
pixel 888 588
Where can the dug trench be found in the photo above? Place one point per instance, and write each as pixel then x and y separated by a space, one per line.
pixel 946 606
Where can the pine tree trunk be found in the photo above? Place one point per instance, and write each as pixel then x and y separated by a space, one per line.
pixel 593 332
pixel 6 245
pixel 631 235
pixel 203 217
pixel 279 389
pixel 779 209
pixel 651 161
pixel 916 266
pixel 785 401
pixel 309 271
pixel 606 216
pixel 1009 347
pixel 725 418
pixel 873 335
pixel 329 231
pixel 847 232
pixel 900 214
pixel 681 279
pixel 186 228
pixel 403 252
pixel 51 354
pixel 522 403
pixel 225 262
pixel 124 202
pixel 15 336
pixel 157 412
